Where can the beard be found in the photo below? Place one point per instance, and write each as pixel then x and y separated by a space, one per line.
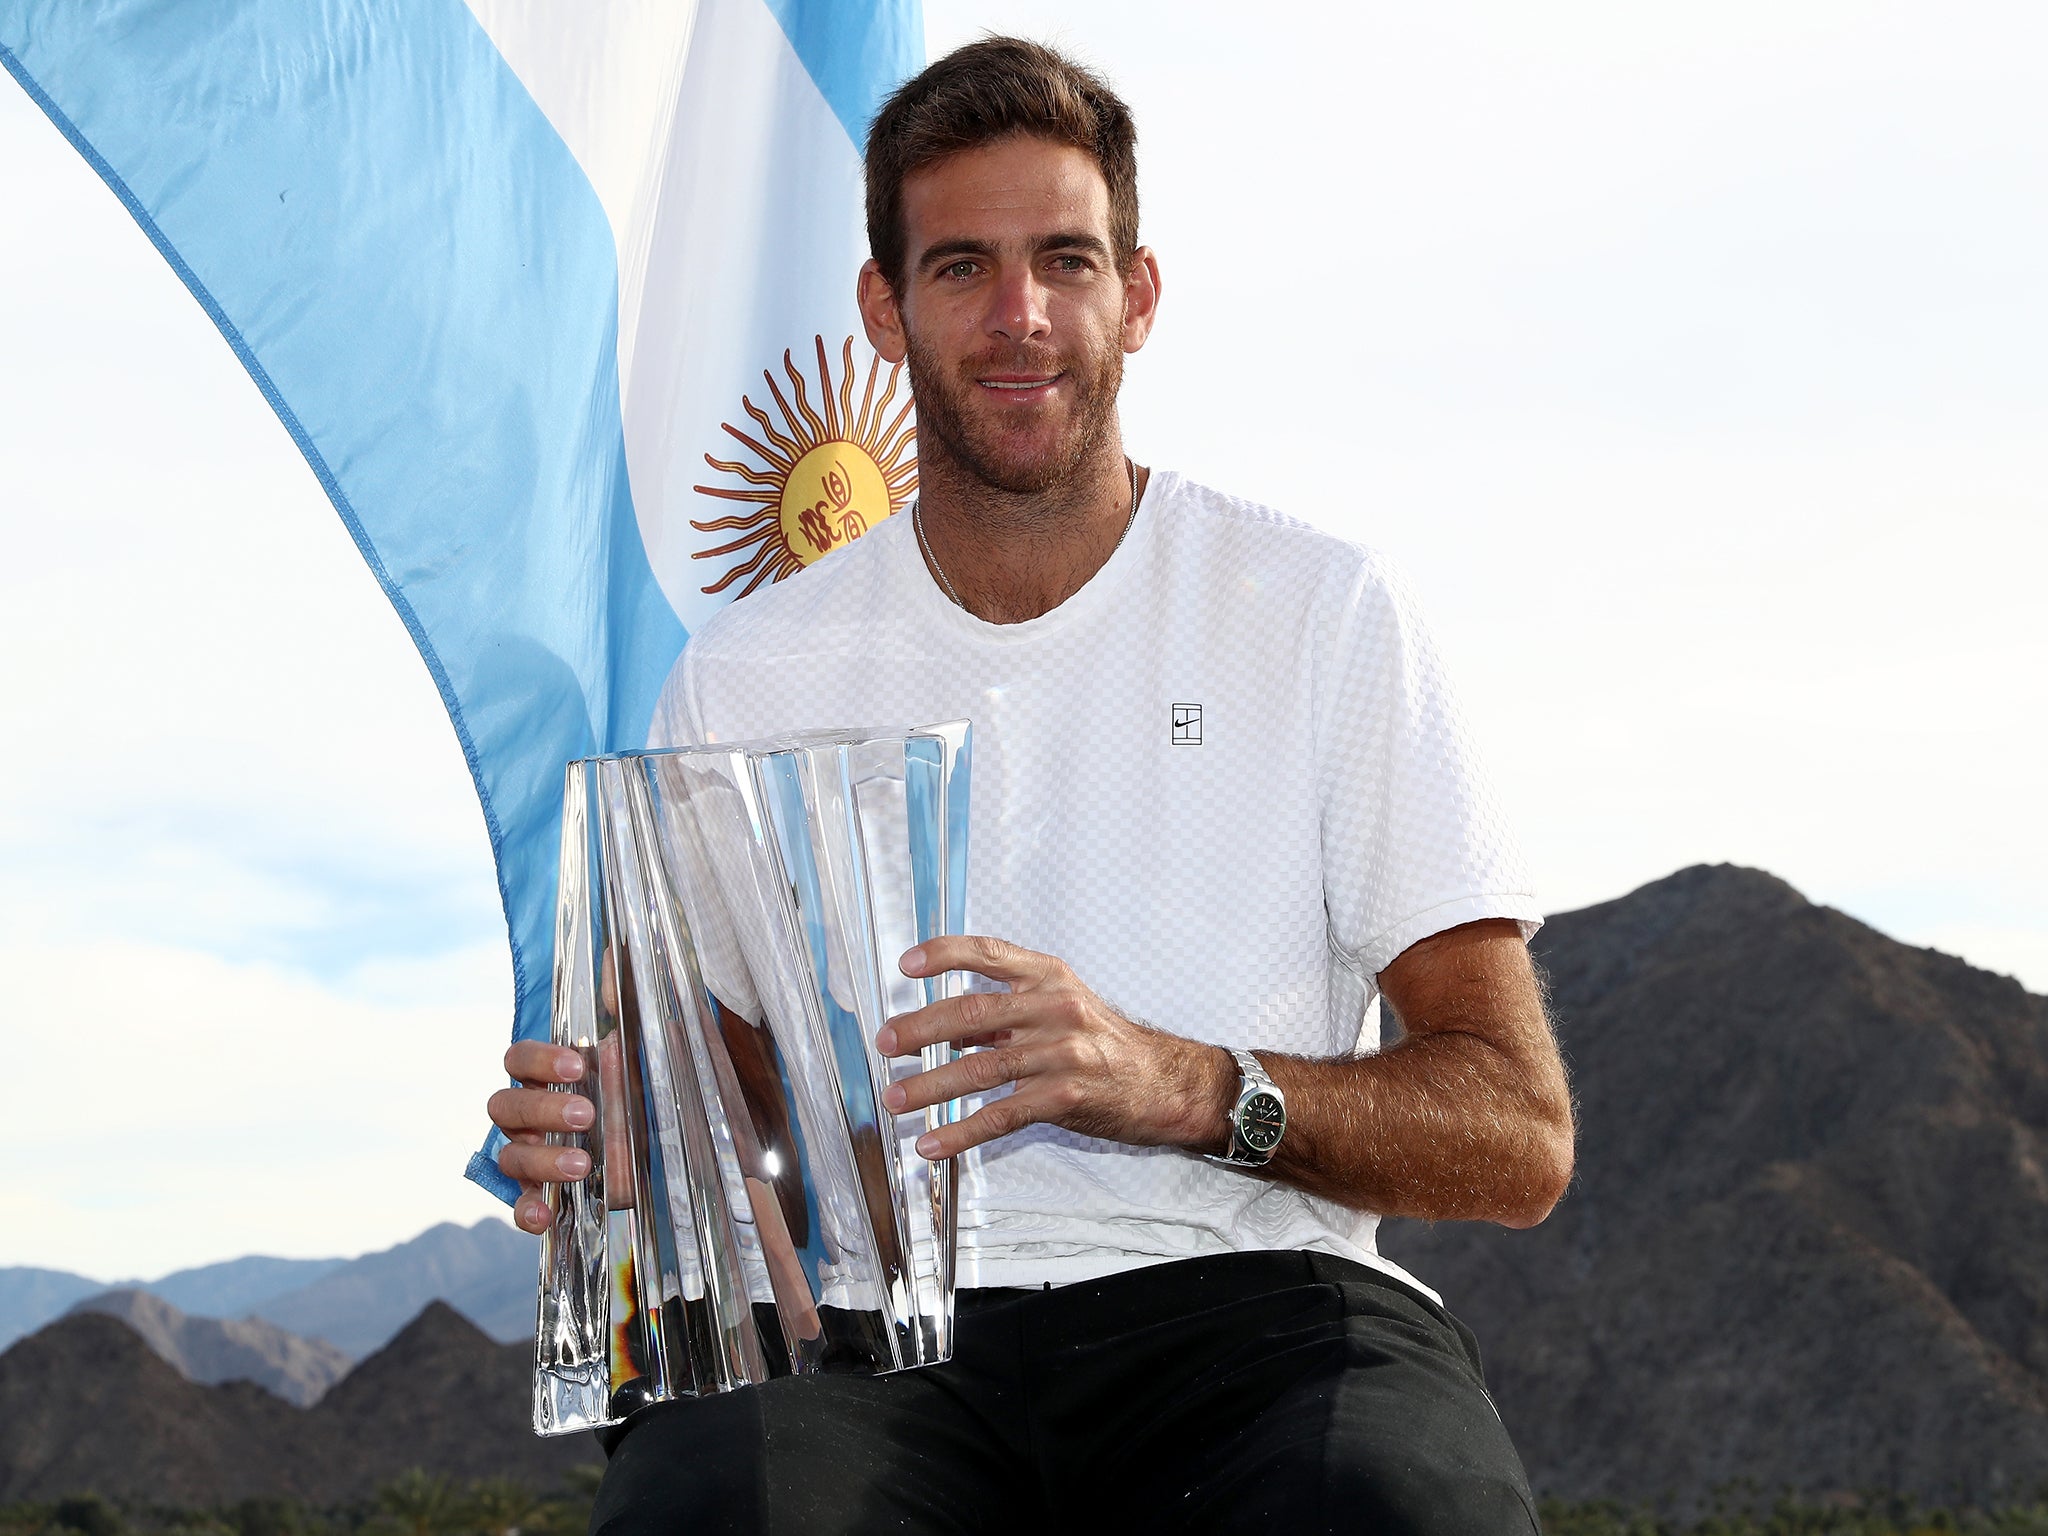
pixel 1029 457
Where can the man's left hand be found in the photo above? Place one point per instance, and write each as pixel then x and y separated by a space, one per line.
pixel 1076 1062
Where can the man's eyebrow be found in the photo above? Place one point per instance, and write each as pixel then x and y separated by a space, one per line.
pixel 1073 240
pixel 1079 241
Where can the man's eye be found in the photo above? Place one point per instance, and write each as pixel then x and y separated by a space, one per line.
pixel 1070 263
pixel 960 269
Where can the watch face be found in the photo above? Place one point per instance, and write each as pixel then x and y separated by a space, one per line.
pixel 1261 1121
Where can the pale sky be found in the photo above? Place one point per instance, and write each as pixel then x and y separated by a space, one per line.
pixel 1690 358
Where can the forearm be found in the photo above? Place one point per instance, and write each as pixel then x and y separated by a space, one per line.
pixel 1440 1127
pixel 1467 1117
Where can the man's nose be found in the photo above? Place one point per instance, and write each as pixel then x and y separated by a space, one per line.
pixel 1018 311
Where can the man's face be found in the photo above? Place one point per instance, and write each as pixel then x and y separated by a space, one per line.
pixel 1014 313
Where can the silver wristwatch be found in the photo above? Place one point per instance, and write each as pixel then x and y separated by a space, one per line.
pixel 1257 1121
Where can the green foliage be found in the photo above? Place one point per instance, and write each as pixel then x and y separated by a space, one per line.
pixel 88 1515
pixel 1742 1510
pixel 414 1504
pixel 265 1517
pixel 419 1504
pixel 499 1506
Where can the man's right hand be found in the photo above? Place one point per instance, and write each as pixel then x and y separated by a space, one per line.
pixel 527 1114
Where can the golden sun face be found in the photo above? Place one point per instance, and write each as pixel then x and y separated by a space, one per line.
pixel 823 478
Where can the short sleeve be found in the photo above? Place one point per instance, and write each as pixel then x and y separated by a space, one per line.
pixel 1414 838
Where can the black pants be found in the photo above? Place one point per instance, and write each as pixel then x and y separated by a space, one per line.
pixel 1253 1392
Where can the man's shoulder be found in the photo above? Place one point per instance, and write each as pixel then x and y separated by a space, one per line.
pixel 1228 532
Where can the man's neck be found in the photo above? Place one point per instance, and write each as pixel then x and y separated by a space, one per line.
pixel 1009 556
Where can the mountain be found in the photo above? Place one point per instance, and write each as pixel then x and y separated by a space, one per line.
pixel 86 1405
pixel 208 1350
pixel 233 1288
pixel 29 1298
pixel 443 1396
pixel 488 1272
pixel 1808 1240
pixel 89 1407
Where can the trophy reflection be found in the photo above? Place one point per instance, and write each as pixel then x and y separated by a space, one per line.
pixel 726 938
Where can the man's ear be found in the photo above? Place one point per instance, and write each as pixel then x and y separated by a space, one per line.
pixel 1141 297
pixel 880 313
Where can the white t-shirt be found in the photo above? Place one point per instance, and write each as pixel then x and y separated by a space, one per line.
pixel 1225 782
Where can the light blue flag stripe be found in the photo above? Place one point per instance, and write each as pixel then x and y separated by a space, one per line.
pixel 417 275
pixel 856 53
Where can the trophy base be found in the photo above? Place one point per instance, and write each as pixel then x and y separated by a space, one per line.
pixel 567 1398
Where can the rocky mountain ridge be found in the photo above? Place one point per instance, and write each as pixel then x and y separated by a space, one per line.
pixel 86 1405
pixel 1808 1240
pixel 210 1350
pixel 486 1271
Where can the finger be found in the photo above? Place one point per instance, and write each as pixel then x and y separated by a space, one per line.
pixel 530 1212
pixel 997 959
pixel 541 1061
pixel 978 1073
pixel 544 1163
pixel 1006 1115
pixel 541 1109
pixel 958 1019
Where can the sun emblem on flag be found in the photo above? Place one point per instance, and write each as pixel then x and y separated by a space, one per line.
pixel 823 478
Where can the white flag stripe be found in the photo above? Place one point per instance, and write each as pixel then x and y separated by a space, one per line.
pixel 608 78
pixel 734 195
pixel 755 253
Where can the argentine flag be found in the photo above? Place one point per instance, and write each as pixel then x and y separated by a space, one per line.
pixel 557 300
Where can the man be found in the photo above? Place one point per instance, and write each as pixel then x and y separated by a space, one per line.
pixel 1218 779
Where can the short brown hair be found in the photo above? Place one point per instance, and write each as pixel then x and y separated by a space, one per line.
pixel 989 90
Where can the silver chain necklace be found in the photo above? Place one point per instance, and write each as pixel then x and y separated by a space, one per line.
pixel 938 570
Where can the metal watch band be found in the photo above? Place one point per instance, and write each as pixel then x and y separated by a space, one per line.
pixel 1248 1064
pixel 1254 1083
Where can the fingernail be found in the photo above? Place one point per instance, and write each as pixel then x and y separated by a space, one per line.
pixel 568 1066
pixel 913 960
pixel 533 1216
pixel 885 1042
pixel 579 1113
pixel 574 1164
pixel 928 1146
pixel 893 1096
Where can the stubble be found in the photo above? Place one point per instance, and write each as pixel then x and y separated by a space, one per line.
pixel 1017 463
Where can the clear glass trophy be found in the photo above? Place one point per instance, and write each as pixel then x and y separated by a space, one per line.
pixel 726 938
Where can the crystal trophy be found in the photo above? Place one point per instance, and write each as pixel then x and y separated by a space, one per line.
pixel 727 932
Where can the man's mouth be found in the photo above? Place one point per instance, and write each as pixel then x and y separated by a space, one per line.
pixel 1017 385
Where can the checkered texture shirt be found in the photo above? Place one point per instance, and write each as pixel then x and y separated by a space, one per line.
pixel 1226 782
